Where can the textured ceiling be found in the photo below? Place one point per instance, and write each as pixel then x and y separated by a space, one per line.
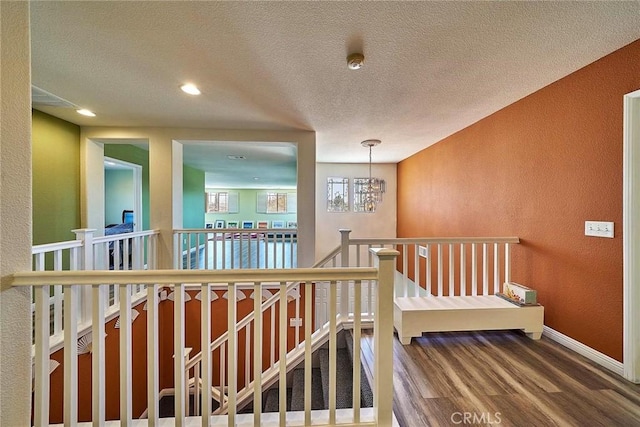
pixel 431 68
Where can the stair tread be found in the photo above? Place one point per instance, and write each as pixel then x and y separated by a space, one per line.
pixel 297 390
pixel 366 394
pixel 272 401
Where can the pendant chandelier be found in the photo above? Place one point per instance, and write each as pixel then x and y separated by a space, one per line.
pixel 371 192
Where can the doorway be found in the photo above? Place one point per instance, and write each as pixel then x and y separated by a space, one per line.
pixel 631 237
pixel 122 193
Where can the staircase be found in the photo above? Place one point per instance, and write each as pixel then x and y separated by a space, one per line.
pixel 319 384
pixel 320 381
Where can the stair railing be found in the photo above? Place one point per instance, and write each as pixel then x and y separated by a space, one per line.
pixel 235 248
pixel 74 281
pixel 193 366
pixel 137 251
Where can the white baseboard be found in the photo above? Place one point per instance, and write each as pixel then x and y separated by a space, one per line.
pixel 595 356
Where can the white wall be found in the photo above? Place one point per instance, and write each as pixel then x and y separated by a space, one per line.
pixel 15 214
pixel 382 223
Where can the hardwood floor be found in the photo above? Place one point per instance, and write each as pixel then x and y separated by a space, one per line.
pixel 503 378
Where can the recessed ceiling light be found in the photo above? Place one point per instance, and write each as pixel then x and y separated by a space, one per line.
pixel 86 112
pixel 255 178
pixel 235 157
pixel 190 88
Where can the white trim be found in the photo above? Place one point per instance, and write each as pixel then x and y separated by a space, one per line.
pixel 584 350
pixel 631 237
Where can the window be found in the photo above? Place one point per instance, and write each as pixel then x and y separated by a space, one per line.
pixel 272 202
pixel 337 194
pixel 276 202
pixel 222 202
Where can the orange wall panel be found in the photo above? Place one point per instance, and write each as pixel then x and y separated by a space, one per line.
pixel 538 169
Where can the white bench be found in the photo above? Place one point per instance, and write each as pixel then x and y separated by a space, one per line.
pixel 414 315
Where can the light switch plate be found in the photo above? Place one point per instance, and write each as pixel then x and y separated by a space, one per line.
pixel 598 229
pixel 422 251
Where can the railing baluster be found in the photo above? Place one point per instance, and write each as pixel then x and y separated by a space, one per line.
pixel 180 399
pixel 41 391
pixel 451 268
pixel 71 355
pixel 57 296
pixel 297 303
pixel 98 364
pixel 507 263
pixel 232 386
pixel 257 353
pixel 126 415
pixel 485 269
pixel 357 317
pixel 223 371
pixel 247 354
pixel 205 342
pixel 463 270
pixel 416 271
pixel 474 269
pixel 307 353
pixel 153 362
pixel 272 345
pixel 496 268
pixel 405 269
pixel 332 351
pixel 440 291
pixel 282 359
pixel 428 270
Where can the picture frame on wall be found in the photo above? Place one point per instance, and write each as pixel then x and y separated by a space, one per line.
pixel 247 224
pixel 208 225
pixel 277 224
pixel 263 224
pixel 232 224
pixel 219 223
pixel 292 224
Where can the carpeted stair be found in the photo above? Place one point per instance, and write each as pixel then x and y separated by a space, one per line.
pixel 320 382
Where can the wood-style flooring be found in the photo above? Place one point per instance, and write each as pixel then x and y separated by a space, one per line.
pixel 503 378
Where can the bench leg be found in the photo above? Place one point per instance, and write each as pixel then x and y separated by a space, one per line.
pixel 534 335
pixel 404 340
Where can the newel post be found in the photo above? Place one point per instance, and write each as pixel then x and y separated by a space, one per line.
pixel 344 262
pixel 383 336
pixel 85 263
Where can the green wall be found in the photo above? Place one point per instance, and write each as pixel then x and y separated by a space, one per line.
pixel 56 178
pixel 247 207
pixel 138 156
pixel 192 197
pixel 118 194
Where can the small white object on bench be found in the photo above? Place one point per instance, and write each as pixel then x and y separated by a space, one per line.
pixel 414 315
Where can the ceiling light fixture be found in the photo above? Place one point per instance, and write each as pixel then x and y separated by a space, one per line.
pixel 236 157
pixel 355 61
pixel 190 88
pixel 371 194
pixel 86 112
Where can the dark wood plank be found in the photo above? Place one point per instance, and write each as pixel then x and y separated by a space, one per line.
pixel 503 377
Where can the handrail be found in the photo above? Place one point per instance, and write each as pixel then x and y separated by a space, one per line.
pixel 123 236
pixel 432 240
pixel 49 247
pixel 271 301
pixel 170 277
pixel 334 253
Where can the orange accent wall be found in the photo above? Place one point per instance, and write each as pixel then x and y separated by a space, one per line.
pixel 538 169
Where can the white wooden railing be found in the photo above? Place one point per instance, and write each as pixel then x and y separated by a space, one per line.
pixel 75 282
pixel 427 266
pixel 230 248
pixel 128 251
